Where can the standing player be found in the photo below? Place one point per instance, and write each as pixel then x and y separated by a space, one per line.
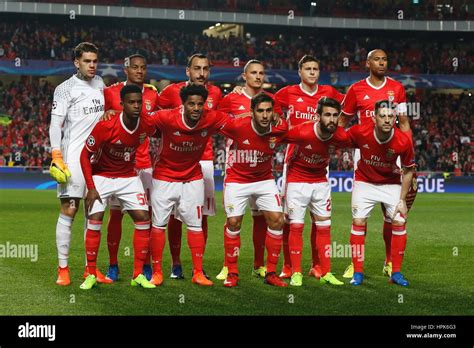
pixel 77 106
pixel 377 180
pixel 111 147
pixel 360 99
pixel 135 67
pixel 308 186
pixel 238 105
pixel 299 102
pixel 249 175
pixel 198 71
pixel 178 185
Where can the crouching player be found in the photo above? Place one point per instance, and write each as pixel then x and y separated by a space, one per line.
pixel 249 175
pixel 308 186
pixel 108 164
pixel 377 180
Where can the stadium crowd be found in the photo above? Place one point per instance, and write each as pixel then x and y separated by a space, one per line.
pixel 30 38
pixel 428 9
pixel 444 130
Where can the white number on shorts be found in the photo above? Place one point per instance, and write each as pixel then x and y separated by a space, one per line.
pixel 142 199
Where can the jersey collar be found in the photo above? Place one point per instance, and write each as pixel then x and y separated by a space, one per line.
pixel 379 87
pixel 125 127
pixel 386 141
pixel 306 92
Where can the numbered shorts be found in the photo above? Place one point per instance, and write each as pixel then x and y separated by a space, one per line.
pixel 365 196
pixel 299 196
pixel 146 176
pixel 128 191
pixel 209 207
pixel 184 198
pixel 76 185
pixel 264 193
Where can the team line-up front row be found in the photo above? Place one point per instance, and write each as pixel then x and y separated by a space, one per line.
pixel 108 167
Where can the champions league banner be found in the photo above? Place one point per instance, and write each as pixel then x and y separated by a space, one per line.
pixel 24 178
pixel 227 74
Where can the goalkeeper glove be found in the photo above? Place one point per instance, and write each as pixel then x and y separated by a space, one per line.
pixel 58 169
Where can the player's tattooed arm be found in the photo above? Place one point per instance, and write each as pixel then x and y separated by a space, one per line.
pixel 406 182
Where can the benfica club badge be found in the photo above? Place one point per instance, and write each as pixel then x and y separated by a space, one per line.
pixel 331 149
pixel 142 137
pixel 390 154
pixel 272 142
pixel 391 96
pixel 209 103
pixel 147 105
pixel 204 133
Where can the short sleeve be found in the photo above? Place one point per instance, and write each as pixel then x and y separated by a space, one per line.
pixel 335 94
pixel 402 101
pixel 165 100
pixel 225 104
pixel 349 103
pixel 408 156
pixel 281 98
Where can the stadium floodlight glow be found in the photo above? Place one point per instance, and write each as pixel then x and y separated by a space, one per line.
pixel 211 27
pixel 218 24
pixel 313 3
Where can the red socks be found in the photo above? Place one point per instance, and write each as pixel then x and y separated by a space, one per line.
pixel 141 243
pixel 92 243
pixel 399 242
pixel 174 238
pixel 357 241
pixel 232 249
pixel 259 240
pixel 196 244
pixel 286 247
pixel 157 244
pixel 114 234
pixel 273 243
pixel 323 243
pixel 314 248
pixel 387 238
pixel 295 242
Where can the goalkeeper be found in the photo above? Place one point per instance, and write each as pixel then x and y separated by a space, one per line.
pixel 78 104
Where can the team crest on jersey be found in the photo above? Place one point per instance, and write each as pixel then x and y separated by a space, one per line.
pixel 204 133
pixel 230 208
pixel 147 105
pixel 390 154
pixel 331 149
pixel 91 140
pixel 272 142
pixel 142 137
pixel 391 96
pixel 209 103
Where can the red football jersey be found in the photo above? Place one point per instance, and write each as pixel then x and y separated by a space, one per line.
pixel 114 147
pixel 378 161
pixel 249 158
pixel 150 103
pixel 182 147
pixel 310 158
pixel 300 106
pixel 238 105
pixel 170 99
pixel 362 96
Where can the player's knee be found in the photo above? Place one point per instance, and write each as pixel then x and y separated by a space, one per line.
pixel 234 223
pixel 359 221
pixel 141 216
pixel 398 222
pixel 276 221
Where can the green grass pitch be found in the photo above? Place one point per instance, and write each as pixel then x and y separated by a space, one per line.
pixel 438 263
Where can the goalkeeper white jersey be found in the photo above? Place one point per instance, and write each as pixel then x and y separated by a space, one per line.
pixel 81 104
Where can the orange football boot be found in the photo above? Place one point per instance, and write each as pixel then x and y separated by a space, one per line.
pixel 272 279
pixel 286 272
pixel 63 276
pixel 157 278
pixel 200 279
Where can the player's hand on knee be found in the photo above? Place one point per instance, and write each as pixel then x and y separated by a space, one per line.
pixel 58 169
pixel 401 209
pixel 91 197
